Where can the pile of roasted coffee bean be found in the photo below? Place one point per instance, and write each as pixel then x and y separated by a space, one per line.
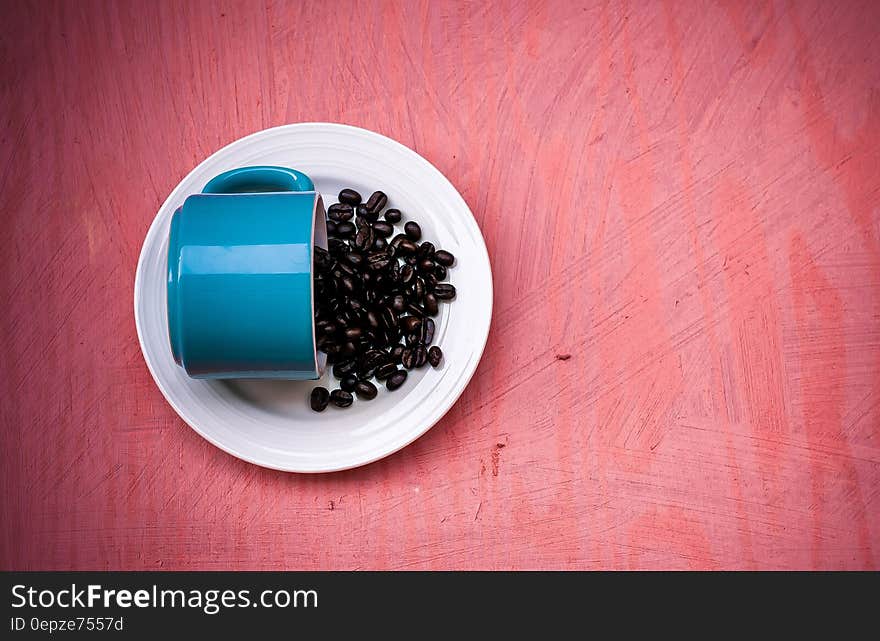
pixel 376 293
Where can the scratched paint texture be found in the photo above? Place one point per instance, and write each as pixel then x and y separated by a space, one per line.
pixel 682 196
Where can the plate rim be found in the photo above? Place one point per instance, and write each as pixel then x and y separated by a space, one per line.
pixel 443 409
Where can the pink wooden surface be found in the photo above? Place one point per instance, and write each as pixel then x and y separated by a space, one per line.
pixel 682 196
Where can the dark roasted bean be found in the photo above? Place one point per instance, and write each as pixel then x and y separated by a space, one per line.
pixel 418 289
pixel 399 238
pixel 444 258
pixel 385 370
pixel 398 303
pixel 319 398
pixel 336 246
pixel 440 272
pixel 396 380
pixel 444 291
pixel 430 282
pixel 331 228
pixel 383 230
pixel 353 259
pixel 410 324
pixel 378 261
pixel 348 284
pixel 406 247
pixel 413 230
pixel 341 398
pixel 340 212
pixel 353 333
pixel 363 239
pixel 350 197
pixel 380 244
pixel 406 274
pixel 348 269
pixel 426 250
pixel 407 359
pixel 413 339
pixel 389 318
pixel 365 390
pixel 419 355
pixel 377 201
pixel 348 349
pixel 393 216
pixel 396 353
pixel 362 211
pixel 344 368
pixel 430 303
pixel 345 230
pixel 426 265
pixel 347 384
pixel 415 310
pixel 427 331
pixel 411 260
pixel 435 355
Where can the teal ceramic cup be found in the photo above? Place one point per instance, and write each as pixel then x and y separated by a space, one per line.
pixel 240 266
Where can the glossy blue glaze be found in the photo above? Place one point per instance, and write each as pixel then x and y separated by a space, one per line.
pixel 240 277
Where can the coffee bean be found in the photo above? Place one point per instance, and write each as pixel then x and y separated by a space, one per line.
pixel 415 310
pixel 340 212
pixel 435 355
pixel 319 398
pixel 426 265
pixel 398 303
pixel 346 268
pixel 331 228
pixel 347 384
pixel 377 261
pixel 418 289
pixel 399 238
pixel 383 230
pixel 444 291
pixel 384 371
pixel 365 390
pixel 380 244
pixel 397 353
pixel 426 250
pixel 348 349
pixel 341 398
pixel 427 330
pixel 410 324
pixel 364 238
pixel 345 230
pixel 430 282
pixel 420 355
pixel 389 318
pixel 440 271
pixel 413 230
pixel 407 359
pixel 344 368
pixel 406 248
pixel 393 216
pixel 353 333
pixel 396 380
pixel 349 197
pixel 377 201
pixel 348 284
pixel 406 274
pixel 411 260
pixel 353 259
pixel 444 258
pixel 430 304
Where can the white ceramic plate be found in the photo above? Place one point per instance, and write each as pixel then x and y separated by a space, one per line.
pixel 269 422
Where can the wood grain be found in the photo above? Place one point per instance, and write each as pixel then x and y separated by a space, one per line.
pixel 682 196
